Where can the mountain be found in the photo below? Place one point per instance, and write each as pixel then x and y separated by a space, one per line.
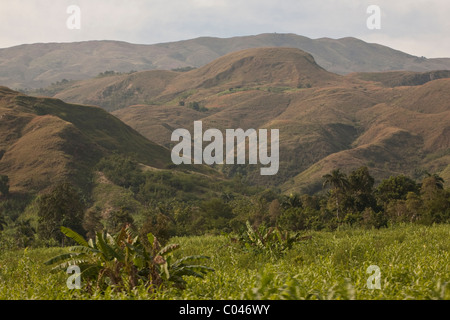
pixel 326 121
pixel 33 66
pixel 43 141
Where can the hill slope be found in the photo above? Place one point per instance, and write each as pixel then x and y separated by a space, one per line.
pixel 38 65
pixel 44 141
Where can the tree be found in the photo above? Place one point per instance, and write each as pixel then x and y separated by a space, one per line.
pixel 61 207
pixel 336 179
pixel 92 221
pixel 432 182
pixel 291 201
pixel 370 219
pixel 360 190
pixel 214 214
pixel 4 185
pixel 396 188
pixel 118 219
pixel 274 212
pixel 123 171
pixel 360 181
pixel 435 200
pixel 340 184
pixel 159 225
pixel 293 219
pixel 24 234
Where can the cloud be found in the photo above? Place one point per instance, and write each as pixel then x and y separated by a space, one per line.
pixel 418 27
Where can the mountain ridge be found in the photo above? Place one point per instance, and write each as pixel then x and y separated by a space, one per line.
pixel 35 66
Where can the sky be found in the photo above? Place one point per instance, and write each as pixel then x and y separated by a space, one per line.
pixel 418 27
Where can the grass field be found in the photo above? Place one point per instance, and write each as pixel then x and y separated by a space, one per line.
pixel 413 261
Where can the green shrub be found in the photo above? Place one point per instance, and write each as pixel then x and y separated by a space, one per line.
pixel 273 241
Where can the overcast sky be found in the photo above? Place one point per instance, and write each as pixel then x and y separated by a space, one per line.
pixel 419 27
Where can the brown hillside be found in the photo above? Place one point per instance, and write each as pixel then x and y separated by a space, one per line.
pixel 432 97
pixel 253 69
pixel 119 91
pixel 334 124
pixel 402 78
pixel 283 67
pixel 45 141
pixel 326 121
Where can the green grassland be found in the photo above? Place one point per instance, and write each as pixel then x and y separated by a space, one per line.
pixel 413 261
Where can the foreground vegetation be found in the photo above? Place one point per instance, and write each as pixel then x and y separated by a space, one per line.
pixel 157 234
pixel 413 261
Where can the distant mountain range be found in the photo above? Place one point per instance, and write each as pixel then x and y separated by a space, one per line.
pixel 33 66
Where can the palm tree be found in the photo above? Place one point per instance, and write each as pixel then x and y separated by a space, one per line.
pixel 339 182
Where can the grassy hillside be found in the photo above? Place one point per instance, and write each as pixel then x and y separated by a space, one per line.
pixel 46 140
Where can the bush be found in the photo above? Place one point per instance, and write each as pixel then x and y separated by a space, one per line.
pixel 272 241
pixel 197 107
pixel 122 171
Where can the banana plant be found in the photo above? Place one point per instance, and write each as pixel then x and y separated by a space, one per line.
pixel 269 239
pixel 102 261
pixel 171 270
pixel 123 262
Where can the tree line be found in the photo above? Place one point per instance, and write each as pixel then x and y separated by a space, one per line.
pixel 173 205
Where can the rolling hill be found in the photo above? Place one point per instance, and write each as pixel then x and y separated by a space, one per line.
pixel 250 68
pixel 334 122
pixel 33 66
pixel 45 141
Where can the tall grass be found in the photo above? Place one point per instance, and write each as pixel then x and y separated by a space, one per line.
pixel 413 262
